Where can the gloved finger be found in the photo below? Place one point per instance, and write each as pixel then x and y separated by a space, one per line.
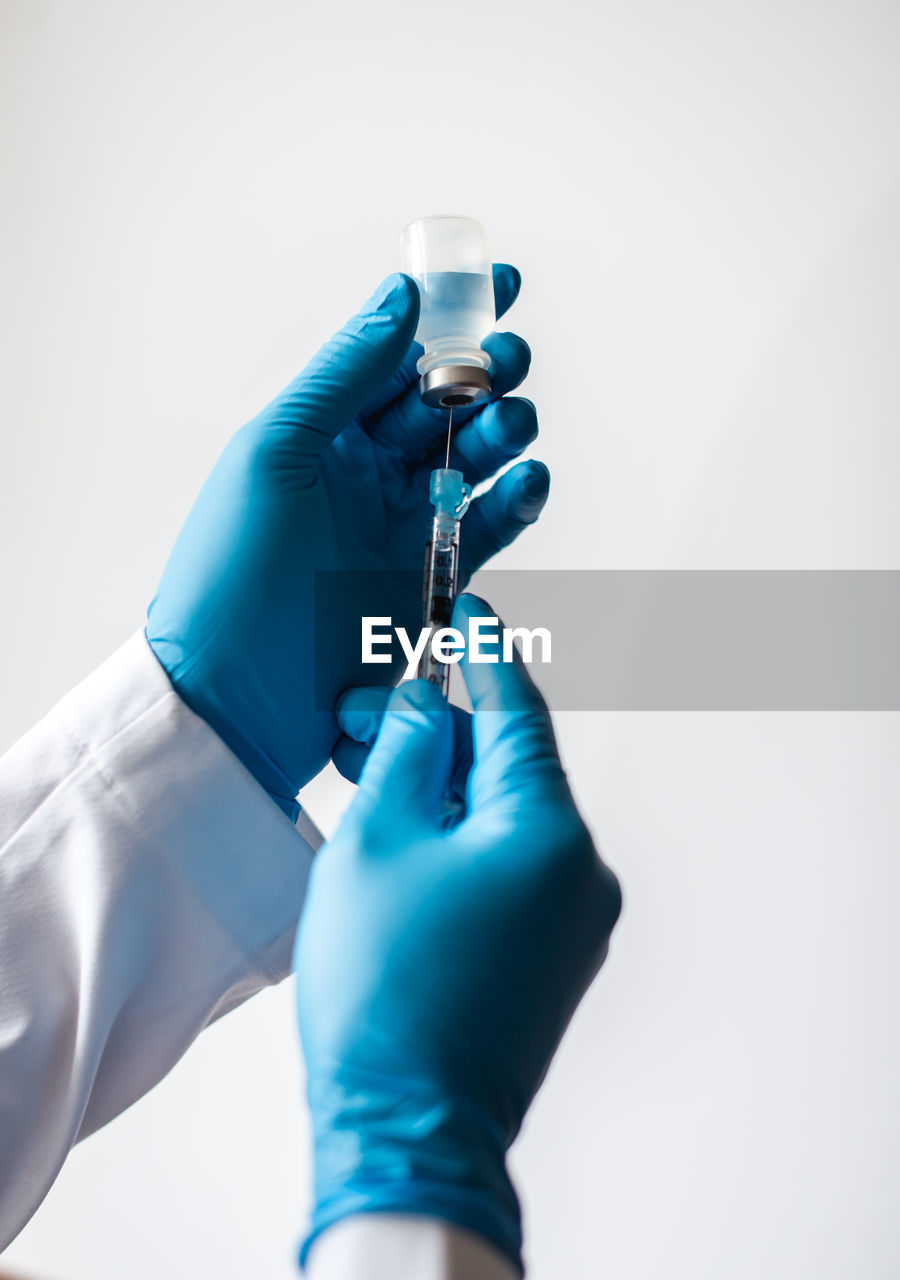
pixel 408 768
pixel 349 757
pixel 491 439
pixel 359 713
pixel 514 743
pixel 413 429
pixel 507 282
pixel 345 373
pixel 497 517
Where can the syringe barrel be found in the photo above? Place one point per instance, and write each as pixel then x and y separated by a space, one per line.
pixel 439 593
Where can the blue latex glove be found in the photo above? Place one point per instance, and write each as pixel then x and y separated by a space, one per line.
pixel 439 966
pixel 332 475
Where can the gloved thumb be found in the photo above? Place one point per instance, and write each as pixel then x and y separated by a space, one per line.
pixel 408 769
pixel 345 374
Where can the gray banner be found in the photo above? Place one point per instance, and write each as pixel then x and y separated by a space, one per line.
pixel 648 640
pixel 754 640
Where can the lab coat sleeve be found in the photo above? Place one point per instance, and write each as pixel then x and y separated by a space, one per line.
pixel 147 886
pixel 372 1246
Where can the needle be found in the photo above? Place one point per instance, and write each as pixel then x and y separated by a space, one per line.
pixel 449 429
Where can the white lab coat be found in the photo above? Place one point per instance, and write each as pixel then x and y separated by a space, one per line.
pixel 147 886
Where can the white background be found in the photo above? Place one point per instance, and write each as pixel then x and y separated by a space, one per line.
pixel 704 200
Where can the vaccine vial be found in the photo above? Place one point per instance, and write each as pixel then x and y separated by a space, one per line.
pixel 449 259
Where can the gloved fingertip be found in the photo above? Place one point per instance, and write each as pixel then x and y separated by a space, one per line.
pixel 516 422
pixel 397 294
pixel 510 359
pixel 509 348
pixel 532 490
pixel 507 283
pixel 524 400
pixel 359 711
pixel 348 757
pixel 468 605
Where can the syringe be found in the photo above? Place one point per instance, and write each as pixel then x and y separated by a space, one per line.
pixel 450 498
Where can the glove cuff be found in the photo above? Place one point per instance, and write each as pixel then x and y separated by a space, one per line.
pixel 394 1146
pixel 205 705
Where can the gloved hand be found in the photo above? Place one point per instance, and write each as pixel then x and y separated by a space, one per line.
pixel 439 966
pixel 332 475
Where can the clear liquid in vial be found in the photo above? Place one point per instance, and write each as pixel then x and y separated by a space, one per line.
pixel 457 311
